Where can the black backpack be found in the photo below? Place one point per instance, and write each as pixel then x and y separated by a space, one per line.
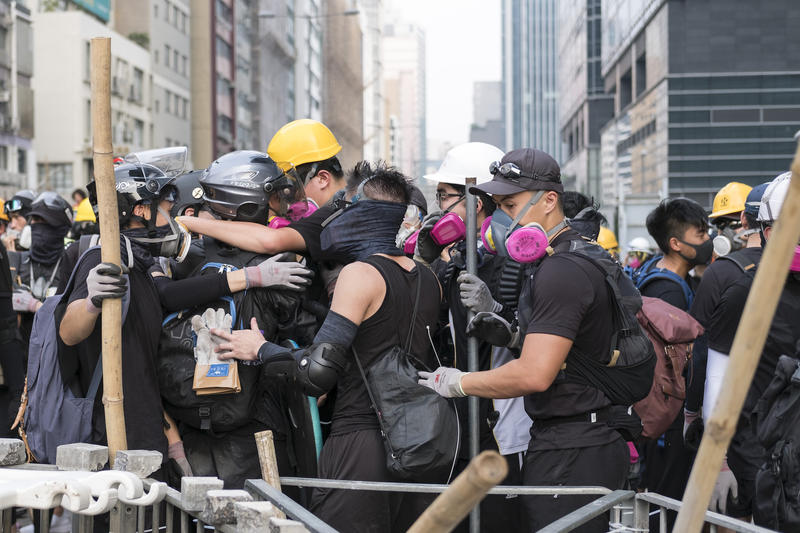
pixel 776 421
pixel 626 375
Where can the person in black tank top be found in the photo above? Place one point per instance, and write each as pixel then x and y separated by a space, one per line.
pixel 371 312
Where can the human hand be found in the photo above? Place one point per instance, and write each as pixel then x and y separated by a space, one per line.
pixel 24 302
pixel 475 294
pixel 495 330
pixel 105 280
pixel 726 484
pixel 202 325
pixel 427 248
pixel 177 454
pixel 275 273
pixel 242 344
pixel 444 381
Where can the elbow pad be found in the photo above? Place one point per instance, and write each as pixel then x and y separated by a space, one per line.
pixel 314 369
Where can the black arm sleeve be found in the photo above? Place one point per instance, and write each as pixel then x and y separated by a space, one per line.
pixel 696 378
pixel 191 292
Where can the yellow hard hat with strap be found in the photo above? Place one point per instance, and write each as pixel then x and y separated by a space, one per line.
pixel 730 199
pixel 302 141
pixel 607 239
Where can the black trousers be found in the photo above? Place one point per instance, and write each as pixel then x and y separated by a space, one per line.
pixel 605 465
pixel 360 456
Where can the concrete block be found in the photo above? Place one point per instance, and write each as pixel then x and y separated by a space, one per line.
pixel 219 508
pixel 139 462
pixel 253 517
pixel 12 452
pixel 194 489
pixel 280 525
pixel 81 456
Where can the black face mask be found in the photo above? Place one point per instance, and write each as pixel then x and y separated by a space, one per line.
pixel 364 228
pixel 47 243
pixel 702 253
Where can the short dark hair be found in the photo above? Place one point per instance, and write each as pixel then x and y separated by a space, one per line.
pixel 385 183
pixel 332 165
pixel 751 220
pixel 79 192
pixel 672 217
pixel 487 204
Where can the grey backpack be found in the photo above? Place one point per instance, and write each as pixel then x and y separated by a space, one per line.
pixel 54 415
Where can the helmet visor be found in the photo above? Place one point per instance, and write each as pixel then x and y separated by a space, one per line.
pixel 171 161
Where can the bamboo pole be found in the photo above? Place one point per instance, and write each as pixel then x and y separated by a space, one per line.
pixel 484 472
pixel 745 354
pixel 111 316
pixel 269 462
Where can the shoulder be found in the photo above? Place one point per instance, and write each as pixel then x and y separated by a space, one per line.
pixel 360 276
pixel 563 269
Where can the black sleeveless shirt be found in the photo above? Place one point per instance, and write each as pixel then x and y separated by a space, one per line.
pixel 387 328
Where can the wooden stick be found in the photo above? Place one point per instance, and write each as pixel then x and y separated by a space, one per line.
pixel 111 315
pixel 484 472
pixel 745 354
pixel 269 462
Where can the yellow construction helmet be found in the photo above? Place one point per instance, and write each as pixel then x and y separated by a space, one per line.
pixel 607 239
pixel 3 215
pixel 84 212
pixel 302 141
pixel 730 199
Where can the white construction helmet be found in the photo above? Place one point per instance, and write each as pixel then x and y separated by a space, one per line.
pixel 640 244
pixel 772 200
pixel 468 160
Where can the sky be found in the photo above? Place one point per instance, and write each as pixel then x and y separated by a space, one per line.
pixel 463 45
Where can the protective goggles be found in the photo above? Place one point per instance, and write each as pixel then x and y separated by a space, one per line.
pixel 508 170
pixel 12 206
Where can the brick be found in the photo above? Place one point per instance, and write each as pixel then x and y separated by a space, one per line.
pixel 253 517
pixel 12 452
pixel 194 489
pixel 280 525
pixel 142 463
pixel 81 456
pixel 219 508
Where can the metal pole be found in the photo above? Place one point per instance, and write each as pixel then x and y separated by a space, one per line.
pixel 472 342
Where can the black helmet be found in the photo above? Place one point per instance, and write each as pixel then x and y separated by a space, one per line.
pixel 20 203
pixel 53 209
pixel 136 184
pixel 238 186
pixel 190 192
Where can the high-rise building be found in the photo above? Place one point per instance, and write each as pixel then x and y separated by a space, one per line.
pixel 584 107
pixel 246 41
pixel 487 113
pixel 404 93
pixel 162 28
pixel 343 89
pixel 17 159
pixel 530 93
pixel 704 93
pixel 62 96
pixel 374 116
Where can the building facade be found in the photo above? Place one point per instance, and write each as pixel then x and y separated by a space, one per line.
pixel 62 97
pixel 530 76
pixel 487 114
pixel 584 108
pixel 374 116
pixel 405 140
pixel 163 28
pixel 704 93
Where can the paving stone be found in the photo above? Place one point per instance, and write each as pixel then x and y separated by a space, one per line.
pixel 280 525
pixel 81 456
pixel 12 452
pixel 142 463
pixel 253 517
pixel 219 508
pixel 194 489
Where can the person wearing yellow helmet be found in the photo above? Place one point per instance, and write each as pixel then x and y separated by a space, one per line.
pixel 3 217
pixel 307 149
pixel 726 216
pixel 608 241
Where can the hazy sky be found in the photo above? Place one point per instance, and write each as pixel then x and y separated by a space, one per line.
pixel 463 46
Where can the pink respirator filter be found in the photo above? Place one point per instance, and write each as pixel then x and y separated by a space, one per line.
pixel 411 243
pixel 449 229
pixel 486 236
pixel 796 260
pixel 278 222
pixel 527 244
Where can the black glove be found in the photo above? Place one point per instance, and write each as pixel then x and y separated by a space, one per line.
pixel 694 434
pixel 495 330
pixel 427 248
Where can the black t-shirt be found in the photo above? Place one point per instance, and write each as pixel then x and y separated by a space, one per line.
pixel 707 308
pixel 140 335
pixel 571 301
pixel 667 290
pixel 310 228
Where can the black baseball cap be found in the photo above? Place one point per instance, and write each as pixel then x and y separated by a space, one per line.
pixel 525 169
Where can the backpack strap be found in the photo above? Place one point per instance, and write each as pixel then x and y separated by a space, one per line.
pixel 736 257
pixel 649 272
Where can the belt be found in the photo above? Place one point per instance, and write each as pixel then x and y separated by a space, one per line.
pixel 592 417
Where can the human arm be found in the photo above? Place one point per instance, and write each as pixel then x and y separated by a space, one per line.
pixel 175 450
pixel 247 235
pixel 104 280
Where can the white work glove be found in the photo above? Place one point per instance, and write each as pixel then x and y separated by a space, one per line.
pixel 204 352
pixel 444 381
pixel 278 274
pixel 726 484
pixel 106 280
pixel 24 302
pixel 475 294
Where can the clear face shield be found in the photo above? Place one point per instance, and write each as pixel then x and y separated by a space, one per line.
pixel 287 199
pixel 171 161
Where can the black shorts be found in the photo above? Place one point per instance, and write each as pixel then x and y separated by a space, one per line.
pixel 605 466
pixel 360 455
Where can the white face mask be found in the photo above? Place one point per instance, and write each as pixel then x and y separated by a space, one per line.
pixel 25 237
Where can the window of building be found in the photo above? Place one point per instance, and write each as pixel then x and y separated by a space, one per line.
pixel 183 22
pixel 155 56
pixel 175 15
pixel 641 74
pixel 22 161
pixel 168 101
pixel 156 105
pixel 155 10
pixel 87 61
pixel 224 49
pixel 166 10
pixel 625 90
pixel 167 53
pixel 177 106
pixel 224 12
pixel 185 66
pixel 175 60
pixel 138 133
pixel 137 88
pixel 185 108
pixel 55 176
pixel 3 156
